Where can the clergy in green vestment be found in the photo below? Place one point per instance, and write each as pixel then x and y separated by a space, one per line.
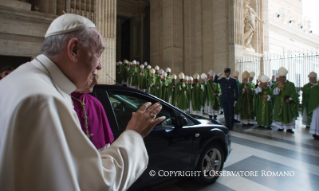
pixel 236 107
pixel 172 88
pixel 181 93
pixel 124 71
pixel 159 84
pixel 306 118
pixel 263 105
pixel 196 103
pixel 142 79
pixel 273 85
pixel 246 106
pixel 134 71
pixel 151 82
pixel 286 103
pixel 149 67
pixel 157 69
pixel 169 76
pixel 167 89
pixel 313 109
pixel 131 71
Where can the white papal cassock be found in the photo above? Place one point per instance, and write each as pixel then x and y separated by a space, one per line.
pixel 42 146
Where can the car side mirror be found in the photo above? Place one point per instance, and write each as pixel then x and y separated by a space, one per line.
pixel 181 121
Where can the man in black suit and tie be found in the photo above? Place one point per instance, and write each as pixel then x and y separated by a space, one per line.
pixel 229 95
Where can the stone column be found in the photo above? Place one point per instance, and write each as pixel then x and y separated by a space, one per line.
pixel 167 34
pixel 105 19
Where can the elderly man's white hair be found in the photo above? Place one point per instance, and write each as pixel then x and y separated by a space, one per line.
pixel 64 28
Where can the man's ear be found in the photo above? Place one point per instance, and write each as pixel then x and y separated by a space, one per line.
pixel 72 49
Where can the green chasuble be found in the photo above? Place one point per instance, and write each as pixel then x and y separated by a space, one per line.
pixel 130 74
pixel 205 96
pixel 152 80
pixel 246 107
pixel 305 100
pixel 142 80
pixel 124 71
pixel 159 87
pixel 197 97
pixel 275 84
pixel 181 97
pixel 285 112
pixel 134 76
pixel 212 88
pixel 239 100
pixel 263 107
pixel 172 88
pixel 167 90
pixel 313 100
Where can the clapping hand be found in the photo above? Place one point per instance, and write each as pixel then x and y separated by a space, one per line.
pixel 265 96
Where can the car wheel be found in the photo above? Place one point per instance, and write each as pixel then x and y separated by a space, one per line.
pixel 210 163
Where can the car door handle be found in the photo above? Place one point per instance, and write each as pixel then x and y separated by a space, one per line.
pixel 197 134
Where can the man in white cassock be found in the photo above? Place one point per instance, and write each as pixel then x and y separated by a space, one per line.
pixel 42 145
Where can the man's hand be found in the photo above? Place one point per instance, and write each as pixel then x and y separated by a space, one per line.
pixel 265 97
pixel 287 100
pixel 280 85
pixel 215 94
pixel 257 81
pixel 144 119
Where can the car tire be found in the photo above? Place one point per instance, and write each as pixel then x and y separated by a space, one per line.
pixel 210 162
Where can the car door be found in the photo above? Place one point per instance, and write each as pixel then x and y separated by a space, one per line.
pixel 169 148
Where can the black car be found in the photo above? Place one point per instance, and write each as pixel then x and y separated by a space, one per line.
pixel 180 143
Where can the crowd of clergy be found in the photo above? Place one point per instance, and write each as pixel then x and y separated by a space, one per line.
pixel 269 102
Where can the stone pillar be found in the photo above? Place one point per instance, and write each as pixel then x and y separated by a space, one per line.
pixel 105 19
pixel 167 34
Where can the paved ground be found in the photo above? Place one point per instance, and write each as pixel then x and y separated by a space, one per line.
pixel 255 149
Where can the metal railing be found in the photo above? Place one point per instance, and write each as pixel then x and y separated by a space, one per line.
pixel 298 64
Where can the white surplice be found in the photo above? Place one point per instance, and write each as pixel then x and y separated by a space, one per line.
pixel 42 146
pixel 314 126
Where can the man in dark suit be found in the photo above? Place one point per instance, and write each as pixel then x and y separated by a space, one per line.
pixel 229 95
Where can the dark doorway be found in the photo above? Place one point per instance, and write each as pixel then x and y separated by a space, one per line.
pixel 125 41
pixel 14 61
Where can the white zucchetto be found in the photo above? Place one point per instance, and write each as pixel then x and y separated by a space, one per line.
pixel 67 23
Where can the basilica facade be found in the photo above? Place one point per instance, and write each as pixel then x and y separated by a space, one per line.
pixel 186 35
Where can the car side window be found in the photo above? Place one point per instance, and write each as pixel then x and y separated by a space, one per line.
pixel 125 103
